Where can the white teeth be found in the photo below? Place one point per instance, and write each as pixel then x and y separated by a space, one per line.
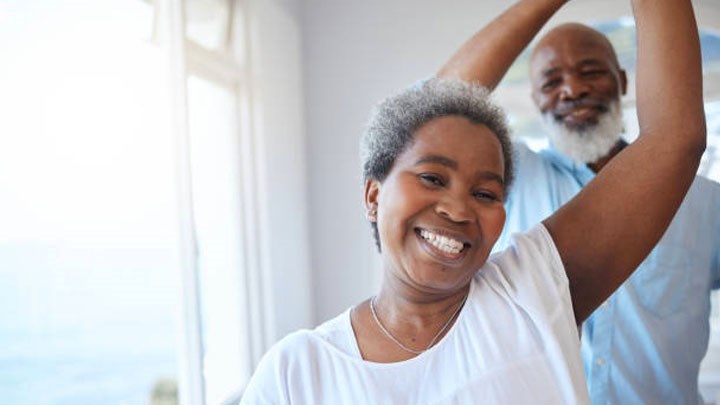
pixel 443 243
pixel 580 111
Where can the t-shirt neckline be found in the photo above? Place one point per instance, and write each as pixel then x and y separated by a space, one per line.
pixel 357 354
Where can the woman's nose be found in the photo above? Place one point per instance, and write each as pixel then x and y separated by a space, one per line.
pixel 455 208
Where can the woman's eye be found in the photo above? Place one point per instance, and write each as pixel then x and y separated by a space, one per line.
pixel 486 196
pixel 593 73
pixel 431 179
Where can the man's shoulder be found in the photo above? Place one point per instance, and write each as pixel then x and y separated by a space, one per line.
pixel 522 148
pixel 705 192
pixel 705 184
pixel 526 157
pixel 700 211
pixel 538 166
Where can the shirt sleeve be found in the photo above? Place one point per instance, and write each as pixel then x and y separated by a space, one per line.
pixel 264 386
pixel 716 242
pixel 268 384
pixel 531 272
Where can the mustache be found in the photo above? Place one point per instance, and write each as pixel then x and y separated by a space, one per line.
pixel 566 107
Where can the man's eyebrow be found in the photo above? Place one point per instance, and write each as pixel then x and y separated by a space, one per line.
pixel 586 62
pixel 550 72
pixel 591 62
pixel 441 160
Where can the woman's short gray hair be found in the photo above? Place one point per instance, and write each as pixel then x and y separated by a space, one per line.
pixel 394 121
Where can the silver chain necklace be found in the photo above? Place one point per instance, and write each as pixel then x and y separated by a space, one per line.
pixel 402 346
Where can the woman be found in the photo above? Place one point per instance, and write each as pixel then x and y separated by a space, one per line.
pixel 437 165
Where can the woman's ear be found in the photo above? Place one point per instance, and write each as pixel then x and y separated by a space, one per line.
pixel 372 188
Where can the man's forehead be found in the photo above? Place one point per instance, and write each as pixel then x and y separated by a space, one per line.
pixel 572 45
pixel 549 60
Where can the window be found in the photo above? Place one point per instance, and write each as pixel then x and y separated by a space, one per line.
pixel 217 201
pixel 126 203
pixel 88 280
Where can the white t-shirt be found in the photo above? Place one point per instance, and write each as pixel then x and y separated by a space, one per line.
pixel 514 342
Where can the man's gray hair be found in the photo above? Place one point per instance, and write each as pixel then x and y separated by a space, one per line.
pixel 393 123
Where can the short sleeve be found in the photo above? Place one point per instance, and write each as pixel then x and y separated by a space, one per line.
pixel 716 242
pixel 531 272
pixel 271 382
pixel 266 383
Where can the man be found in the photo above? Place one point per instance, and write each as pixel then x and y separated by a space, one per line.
pixel 645 343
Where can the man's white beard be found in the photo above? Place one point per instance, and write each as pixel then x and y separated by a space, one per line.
pixel 588 144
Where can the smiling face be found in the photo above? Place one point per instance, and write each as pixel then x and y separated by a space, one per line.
pixel 575 75
pixel 577 83
pixel 440 209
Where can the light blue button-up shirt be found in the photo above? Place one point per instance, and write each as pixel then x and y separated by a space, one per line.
pixel 645 343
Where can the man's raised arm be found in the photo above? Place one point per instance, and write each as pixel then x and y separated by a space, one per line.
pixel 486 56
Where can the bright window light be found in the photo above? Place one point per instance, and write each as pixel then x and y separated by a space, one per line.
pixel 87 210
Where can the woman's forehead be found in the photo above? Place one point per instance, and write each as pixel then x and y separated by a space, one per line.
pixel 450 131
pixel 455 138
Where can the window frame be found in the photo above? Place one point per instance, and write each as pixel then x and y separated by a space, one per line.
pixel 227 67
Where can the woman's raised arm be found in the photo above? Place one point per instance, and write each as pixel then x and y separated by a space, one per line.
pixel 612 224
pixel 486 56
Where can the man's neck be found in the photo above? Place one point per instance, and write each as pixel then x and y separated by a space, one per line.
pixel 597 165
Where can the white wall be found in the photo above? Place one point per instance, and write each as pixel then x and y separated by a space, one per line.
pixel 354 53
pixel 278 106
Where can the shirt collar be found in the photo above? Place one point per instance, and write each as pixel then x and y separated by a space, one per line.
pixel 580 171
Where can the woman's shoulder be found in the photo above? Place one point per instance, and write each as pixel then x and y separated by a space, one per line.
pixel 529 272
pixel 530 258
pixel 339 324
pixel 306 342
pixel 269 380
pixel 532 245
pixel 292 345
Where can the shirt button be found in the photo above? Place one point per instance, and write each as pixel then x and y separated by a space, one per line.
pixel 600 362
pixel 604 304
